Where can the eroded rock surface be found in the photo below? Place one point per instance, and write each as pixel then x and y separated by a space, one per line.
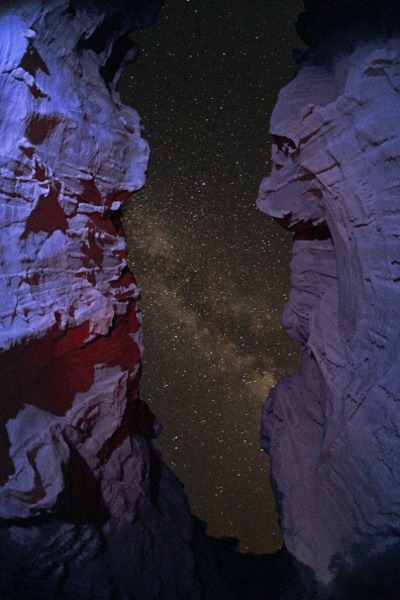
pixel 332 429
pixel 87 507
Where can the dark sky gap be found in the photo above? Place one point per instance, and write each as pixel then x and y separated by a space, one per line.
pixel 214 272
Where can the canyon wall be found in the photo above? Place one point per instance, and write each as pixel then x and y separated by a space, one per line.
pixel 88 510
pixel 332 429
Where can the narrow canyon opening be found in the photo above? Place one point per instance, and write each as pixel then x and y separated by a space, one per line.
pixel 214 272
pixel 88 507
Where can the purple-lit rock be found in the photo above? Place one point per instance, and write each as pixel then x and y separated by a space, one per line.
pixel 88 509
pixel 332 429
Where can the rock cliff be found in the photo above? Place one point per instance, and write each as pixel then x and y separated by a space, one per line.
pixel 332 429
pixel 88 510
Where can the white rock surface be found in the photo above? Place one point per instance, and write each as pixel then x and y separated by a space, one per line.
pixel 88 510
pixel 332 430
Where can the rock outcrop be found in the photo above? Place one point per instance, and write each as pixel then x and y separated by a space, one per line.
pixel 332 429
pixel 88 510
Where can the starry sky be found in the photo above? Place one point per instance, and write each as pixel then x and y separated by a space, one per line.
pixel 214 271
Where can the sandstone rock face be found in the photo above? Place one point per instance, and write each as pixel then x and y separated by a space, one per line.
pixel 87 507
pixel 333 428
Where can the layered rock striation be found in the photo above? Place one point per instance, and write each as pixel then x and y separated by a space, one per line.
pixel 332 429
pixel 87 507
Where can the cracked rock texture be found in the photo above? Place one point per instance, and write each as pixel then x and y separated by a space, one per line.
pixel 332 429
pixel 88 510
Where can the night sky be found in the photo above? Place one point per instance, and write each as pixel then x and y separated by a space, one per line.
pixel 214 271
